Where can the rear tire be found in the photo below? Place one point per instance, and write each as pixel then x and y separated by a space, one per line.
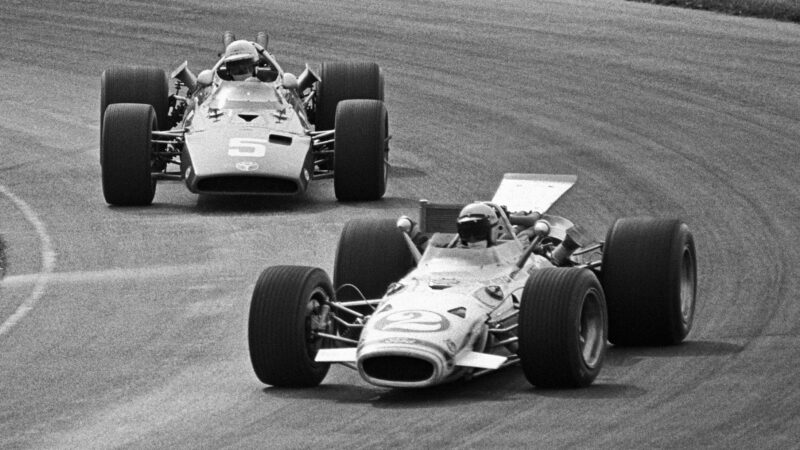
pixel 147 85
pixel 227 38
pixel 262 39
pixel 282 348
pixel 345 81
pixel 127 154
pixel 371 255
pixel 649 273
pixel 360 150
pixel 562 328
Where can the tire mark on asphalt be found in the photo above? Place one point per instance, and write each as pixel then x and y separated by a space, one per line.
pixel 115 274
pixel 48 257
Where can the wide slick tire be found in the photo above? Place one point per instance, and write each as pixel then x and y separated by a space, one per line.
pixel 563 327
pixel 147 85
pixel 345 81
pixel 288 301
pixel 227 38
pixel 262 39
pixel 361 150
pixel 372 254
pixel 649 272
pixel 127 154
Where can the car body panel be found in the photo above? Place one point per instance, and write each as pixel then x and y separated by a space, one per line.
pixel 442 311
pixel 246 129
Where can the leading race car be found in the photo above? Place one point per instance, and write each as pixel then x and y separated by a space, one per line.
pixel 244 127
pixel 470 290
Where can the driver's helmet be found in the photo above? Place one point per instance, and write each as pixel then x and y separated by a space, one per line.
pixel 240 59
pixel 478 224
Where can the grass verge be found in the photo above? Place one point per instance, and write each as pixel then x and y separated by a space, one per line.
pixel 786 10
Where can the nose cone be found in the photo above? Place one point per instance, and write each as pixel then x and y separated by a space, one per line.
pixel 403 362
pixel 409 345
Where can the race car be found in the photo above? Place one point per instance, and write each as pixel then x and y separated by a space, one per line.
pixel 244 127
pixel 467 290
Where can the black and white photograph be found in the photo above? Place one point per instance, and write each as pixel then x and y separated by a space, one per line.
pixel 400 224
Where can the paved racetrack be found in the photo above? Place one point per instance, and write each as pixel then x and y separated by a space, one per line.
pixel 127 326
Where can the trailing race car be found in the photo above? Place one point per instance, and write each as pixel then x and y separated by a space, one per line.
pixel 244 127
pixel 473 289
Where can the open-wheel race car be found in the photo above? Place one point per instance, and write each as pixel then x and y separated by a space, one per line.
pixel 244 127
pixel 468 290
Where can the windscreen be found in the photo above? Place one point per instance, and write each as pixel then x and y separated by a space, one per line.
pixel 245 95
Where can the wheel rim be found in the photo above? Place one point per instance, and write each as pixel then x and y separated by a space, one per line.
pixel 688 284
pixel 591 337
pixel 317 320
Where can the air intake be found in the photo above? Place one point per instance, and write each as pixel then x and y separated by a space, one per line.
pixel 280 139
pixel 247 185
pixel 397 368
pixel 248 117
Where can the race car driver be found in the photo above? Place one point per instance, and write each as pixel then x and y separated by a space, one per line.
pixel 240 60
pixel 478 226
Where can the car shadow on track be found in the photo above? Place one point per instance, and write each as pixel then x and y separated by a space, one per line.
pixel 628 356
pixel 212 205
pixel 406 172
pixel 504 385
pixel 491 387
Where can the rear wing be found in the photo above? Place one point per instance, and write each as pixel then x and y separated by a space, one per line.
pixel 518 192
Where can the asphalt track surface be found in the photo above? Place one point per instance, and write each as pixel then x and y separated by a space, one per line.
pixel 127 326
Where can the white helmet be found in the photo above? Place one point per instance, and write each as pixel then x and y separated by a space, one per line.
pixel 478 222
pixel 240 60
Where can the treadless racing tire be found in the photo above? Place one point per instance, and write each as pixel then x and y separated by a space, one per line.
pixel 649 273
pixel 279 333
pixel 148 85
pixel 361 151
pixel 371 255
pixel 227 38
pixel 127 154
pixel 262 39
pixel 562 328
pixel 345 81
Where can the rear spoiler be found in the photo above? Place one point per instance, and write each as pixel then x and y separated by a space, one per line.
pixel 518 192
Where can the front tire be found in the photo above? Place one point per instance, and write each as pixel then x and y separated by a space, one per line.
pixel 562 328
pixel 345 81
pixel 649 272
pixel 360 150
pixel 287 305
pixel 127 154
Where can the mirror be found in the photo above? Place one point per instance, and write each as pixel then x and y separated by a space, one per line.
pixel 290 82
pixel 205 78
